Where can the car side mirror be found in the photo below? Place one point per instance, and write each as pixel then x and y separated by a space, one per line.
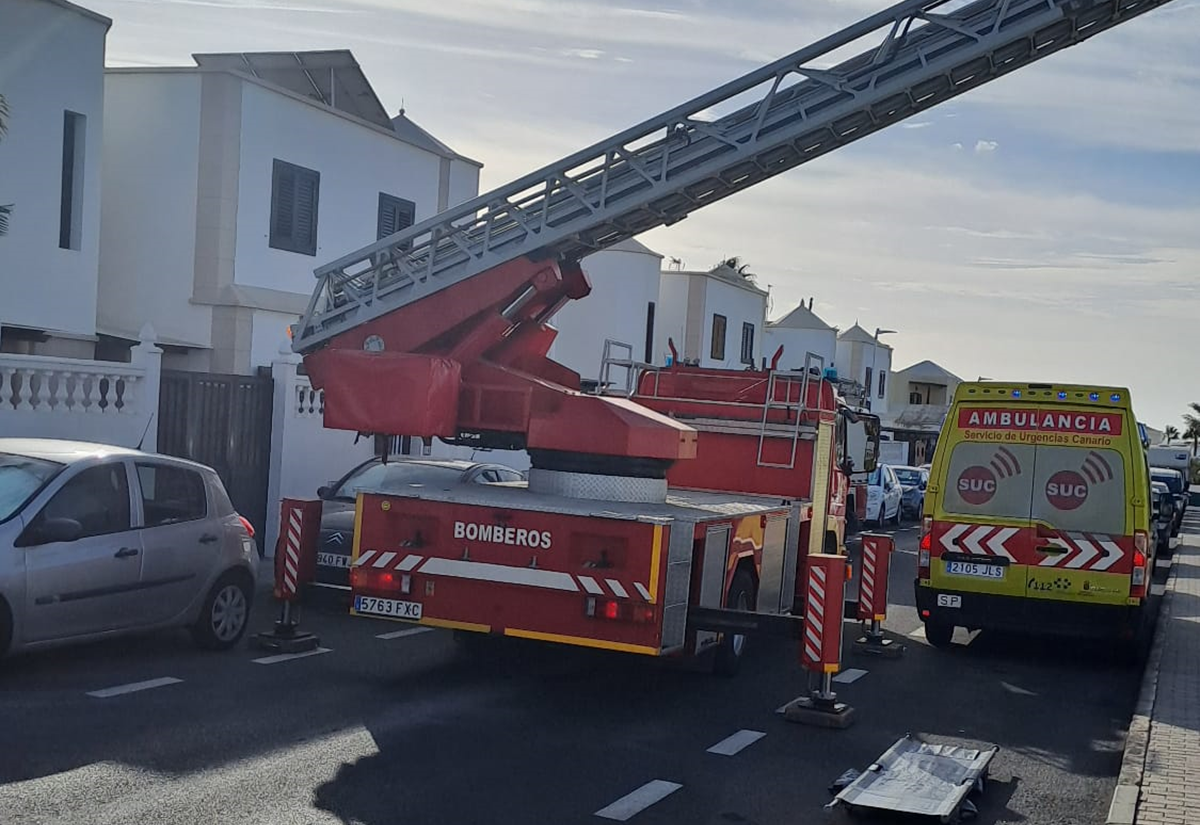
pixel 51 531
pixel 324 491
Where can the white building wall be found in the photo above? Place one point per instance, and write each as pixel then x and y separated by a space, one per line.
pixel 51 61
pixel 355 164
pixel 148 241
pixel 853 360
pixel 797 343
pixel 624 284
pixel 739 306
pixel 671 315
pixel 464 183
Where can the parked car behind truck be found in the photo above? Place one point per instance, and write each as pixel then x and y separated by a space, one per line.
pixel 99 541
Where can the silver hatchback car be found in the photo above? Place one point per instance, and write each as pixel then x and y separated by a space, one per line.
pixel 98 541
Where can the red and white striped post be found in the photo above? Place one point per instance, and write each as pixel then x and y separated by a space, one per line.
pixel 873 594
pixel 295 565
pixel 821 643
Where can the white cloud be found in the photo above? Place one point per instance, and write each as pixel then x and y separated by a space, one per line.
pixel 986 147
pixel 920 124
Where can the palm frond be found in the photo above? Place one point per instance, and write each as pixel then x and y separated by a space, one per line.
pixel 5 211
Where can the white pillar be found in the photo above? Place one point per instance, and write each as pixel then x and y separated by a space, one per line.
pixel 148 356
pixel 283 371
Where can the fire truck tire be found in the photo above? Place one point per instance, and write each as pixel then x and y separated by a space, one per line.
pixel 226 612
pixel 5 626
pixel 727 659
pixel 939 633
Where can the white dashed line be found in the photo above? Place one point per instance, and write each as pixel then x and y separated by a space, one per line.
pixel 633 804
pixel 849 676
pixel 287 657
pixel 919 633
pixel 134 687
pixel 1158 589
pixel 400 634
pixel 735 744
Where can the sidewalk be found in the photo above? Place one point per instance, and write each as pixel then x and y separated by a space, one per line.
pixel 1158 783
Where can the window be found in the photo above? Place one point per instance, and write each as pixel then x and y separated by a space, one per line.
pixel 717 351
pixel 882 381
pixel 97 498
pixel 395 214
pixel 915 398
pixel 21 478
pixel 748 343
pixel 171 495
pixel 649 359
pixel 294 196
pixel 70 214
pixel 867 382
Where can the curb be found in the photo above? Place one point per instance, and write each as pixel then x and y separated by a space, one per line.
pixel 1123 809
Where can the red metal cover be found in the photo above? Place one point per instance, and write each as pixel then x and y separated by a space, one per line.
pixel 873 580
pixel 296 554
pixel 388 392
pixel 821 647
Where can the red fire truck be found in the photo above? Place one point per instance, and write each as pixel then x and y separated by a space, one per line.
pixel 644 525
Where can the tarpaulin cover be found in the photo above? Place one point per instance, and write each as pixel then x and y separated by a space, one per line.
pixel 387 392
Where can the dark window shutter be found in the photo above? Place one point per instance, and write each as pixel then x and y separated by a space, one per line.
pixel 295 195
pixel 395 215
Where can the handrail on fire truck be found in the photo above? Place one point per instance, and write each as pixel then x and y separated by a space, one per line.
pixel 795 410
pixel 658 172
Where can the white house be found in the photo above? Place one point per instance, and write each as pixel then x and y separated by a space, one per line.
pixel 864 359
pixel 622 307
pixel 229 182
pixel 714 318
pixel 918 401
pixel 800 332
pixel 52 79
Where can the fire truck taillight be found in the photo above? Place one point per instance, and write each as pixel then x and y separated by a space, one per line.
pixel 366 580
pixel 615 610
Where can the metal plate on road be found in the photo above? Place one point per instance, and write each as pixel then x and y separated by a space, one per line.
pixel 390 608
pixel 333 560
pixel 971 568
pixel 947 600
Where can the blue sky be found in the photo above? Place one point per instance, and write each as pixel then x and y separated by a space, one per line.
pixel 1045 226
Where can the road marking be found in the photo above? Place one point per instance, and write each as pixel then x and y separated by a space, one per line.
pixel 1158 589
pixel 633 804
pixel 400 634
pixel 732 745
pixel 134 687
pixel 919 633
pixel 287 657
pixel 850 676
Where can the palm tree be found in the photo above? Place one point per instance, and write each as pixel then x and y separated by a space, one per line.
pixel 5 211
pixel 1170 433
pixel 735 263
pixel 1191 424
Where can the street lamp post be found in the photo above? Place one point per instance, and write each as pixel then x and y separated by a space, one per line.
pixel 874 358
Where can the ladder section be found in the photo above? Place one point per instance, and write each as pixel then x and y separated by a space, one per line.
pixel 659 171
pixel 788 381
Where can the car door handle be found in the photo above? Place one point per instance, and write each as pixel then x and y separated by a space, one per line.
pixel 208 538
pixel 125 552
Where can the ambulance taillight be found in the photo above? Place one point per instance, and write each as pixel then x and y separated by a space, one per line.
pixel 1137 582
pixel 925 546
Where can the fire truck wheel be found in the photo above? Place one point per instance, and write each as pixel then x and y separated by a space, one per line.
pixel 728 657
pixel 225 614
pixel 939 633
pixel 5 627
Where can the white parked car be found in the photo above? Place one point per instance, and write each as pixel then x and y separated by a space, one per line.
pixel 98 541
pixel 884 496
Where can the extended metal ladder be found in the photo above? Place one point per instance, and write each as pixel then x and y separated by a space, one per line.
pixel 659 171
pixel 812 362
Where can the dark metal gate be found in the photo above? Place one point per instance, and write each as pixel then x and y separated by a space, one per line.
pixel 223 421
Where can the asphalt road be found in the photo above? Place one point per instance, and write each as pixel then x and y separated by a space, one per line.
pixel 412 729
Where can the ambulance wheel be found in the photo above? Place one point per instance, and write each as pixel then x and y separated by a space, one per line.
pixel 939 633
pixel 728 656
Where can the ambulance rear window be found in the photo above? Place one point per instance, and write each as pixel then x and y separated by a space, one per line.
pixel 994 480
pixel 1080 489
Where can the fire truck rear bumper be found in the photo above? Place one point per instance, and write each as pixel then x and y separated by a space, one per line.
pixel 1020 615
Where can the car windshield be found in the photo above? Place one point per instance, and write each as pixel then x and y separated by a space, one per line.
pixel 396 476
pixel 1172 479
pixel 21 477
pixel 876 475
pixel 909 476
